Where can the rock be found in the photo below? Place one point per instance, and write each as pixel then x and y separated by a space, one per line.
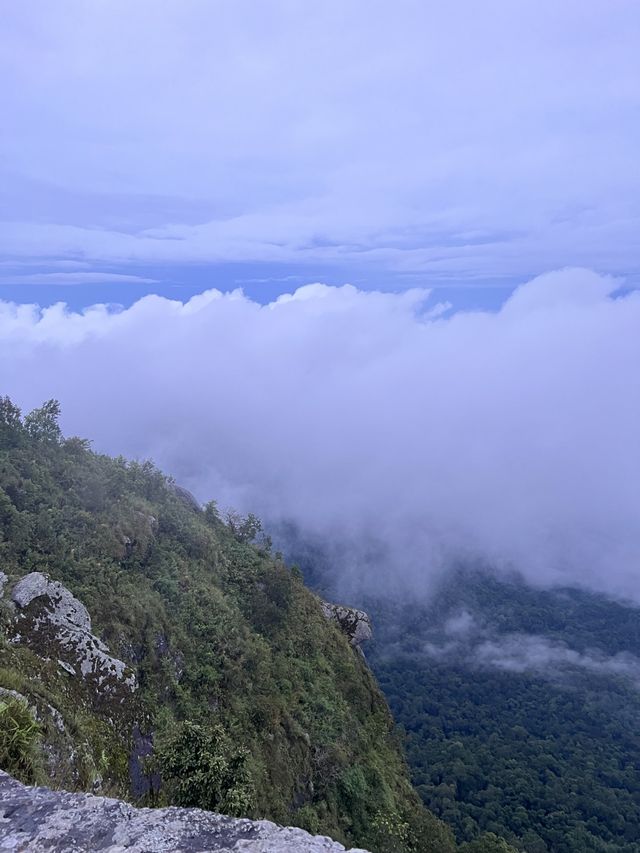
pixel 142 781
pixel 356 624
pixel 67 608
pixel 3 581
pixel 186 497
pixel 53 623
pixel 52 713
pixel 5 694
pixel 39 820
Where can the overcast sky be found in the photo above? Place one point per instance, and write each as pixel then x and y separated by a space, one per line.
pixel 432 209
pixel 146 146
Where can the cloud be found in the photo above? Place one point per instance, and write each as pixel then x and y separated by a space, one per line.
pixel 535 653
pixel 405 438
pixel 76 278
pixel 480 647
pixel 416 137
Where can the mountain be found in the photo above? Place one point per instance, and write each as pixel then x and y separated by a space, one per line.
pixel 154 651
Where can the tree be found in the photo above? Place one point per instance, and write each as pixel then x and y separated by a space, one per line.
pixel 203 768
pixel 42 424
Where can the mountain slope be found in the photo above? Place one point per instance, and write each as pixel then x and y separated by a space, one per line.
pixel 256 703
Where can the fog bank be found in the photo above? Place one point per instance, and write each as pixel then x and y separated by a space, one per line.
pixel 409 434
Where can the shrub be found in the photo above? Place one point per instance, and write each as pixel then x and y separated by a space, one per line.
pixel 203 768
pixel 19 741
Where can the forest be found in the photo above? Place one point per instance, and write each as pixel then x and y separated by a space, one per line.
pixel 537 742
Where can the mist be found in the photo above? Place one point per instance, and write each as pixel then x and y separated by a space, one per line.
pixel 406 435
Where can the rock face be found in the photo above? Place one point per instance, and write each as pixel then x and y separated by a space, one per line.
pixel 39 820
pixel 53 623
pixel 356 624
pixel 186 497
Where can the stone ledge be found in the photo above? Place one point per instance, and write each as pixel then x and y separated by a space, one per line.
pixel 39 820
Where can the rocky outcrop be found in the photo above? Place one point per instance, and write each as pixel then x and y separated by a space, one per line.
pixel 56 625
pixel 356 624
pixel 186 497
pixel 39 820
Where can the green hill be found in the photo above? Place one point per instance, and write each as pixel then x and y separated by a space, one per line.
pixel 256 704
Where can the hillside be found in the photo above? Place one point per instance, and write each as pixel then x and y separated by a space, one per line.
pixel 196 639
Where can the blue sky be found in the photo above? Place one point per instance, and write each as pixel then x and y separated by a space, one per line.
pixel 173 148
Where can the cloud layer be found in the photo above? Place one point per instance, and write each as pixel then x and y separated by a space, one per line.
pixel 377 421
pixel 452 140
pixel 472 642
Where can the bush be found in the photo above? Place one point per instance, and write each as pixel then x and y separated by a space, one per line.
pixel 202 768
pixel 19 741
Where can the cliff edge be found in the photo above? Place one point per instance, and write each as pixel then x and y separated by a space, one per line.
pixel 38 819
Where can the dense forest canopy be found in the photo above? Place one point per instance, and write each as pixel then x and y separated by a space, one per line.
pixel 520 708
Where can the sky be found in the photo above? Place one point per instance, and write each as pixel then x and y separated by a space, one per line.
pixel 175 147
pixel 366 267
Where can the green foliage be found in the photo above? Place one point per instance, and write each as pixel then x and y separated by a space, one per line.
pixel 488 843
pixel 202 768
pixel 42 424
pixel 244 528
pixel 257 702
pixel 549 761
pixel 19 741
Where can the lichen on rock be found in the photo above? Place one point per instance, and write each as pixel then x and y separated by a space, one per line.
pixel 38 820
pixel 356 624
pixel 54 624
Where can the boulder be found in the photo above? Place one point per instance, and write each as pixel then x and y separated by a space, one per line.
pixel 356 624
pixel 39 820
pixel 186 497
pixel 54 624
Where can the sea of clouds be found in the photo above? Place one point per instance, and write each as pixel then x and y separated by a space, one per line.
pixel 411 435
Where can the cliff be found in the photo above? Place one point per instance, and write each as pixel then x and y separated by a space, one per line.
pixel 151 652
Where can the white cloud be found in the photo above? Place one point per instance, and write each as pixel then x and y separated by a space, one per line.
pixel 75 278
pixel 414 439
pixel 535 653
pixel 454 139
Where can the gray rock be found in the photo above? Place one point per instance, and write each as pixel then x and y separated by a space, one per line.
pixel 67 609
pixel 5 694
pixel 53 623
pixel 39 820
pixel 186 497
pixel 51 712
pixel 356 624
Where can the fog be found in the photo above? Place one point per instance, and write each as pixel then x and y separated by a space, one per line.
pixel 466 639
pixel 404 434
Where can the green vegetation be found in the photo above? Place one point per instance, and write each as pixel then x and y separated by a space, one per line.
pixel 19 740
pixel 202 767
pixel 257 703
pixel 547 757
